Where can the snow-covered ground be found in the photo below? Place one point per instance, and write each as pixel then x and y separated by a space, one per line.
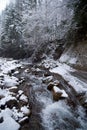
pixel 10 115
pixel 6 67
pixel 53 113
pixel 63 68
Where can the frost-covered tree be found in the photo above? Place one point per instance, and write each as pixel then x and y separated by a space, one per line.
pixel 43 18
pixel 28 24
pixel 11 35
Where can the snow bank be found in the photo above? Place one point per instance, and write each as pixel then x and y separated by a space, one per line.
pixel 8 81
pixel 66 58
pixel 6 66
pixel 64 70
pixel 8 122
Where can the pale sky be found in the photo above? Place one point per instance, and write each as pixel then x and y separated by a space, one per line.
pixel 3 4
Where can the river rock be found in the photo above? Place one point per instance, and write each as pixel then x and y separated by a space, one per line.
pixel 58 90
pixel 46 74
pixel 85 105
pixel 22 103
pixel 27 70
pixel 1 96
pixel 13 89
pixel 50 86
pixel 2 107
pixel 25 110
pixel 24 120
pixel 57 83
pixel 47 79
pixel 56 96
pixel 11 103
pixel 20 92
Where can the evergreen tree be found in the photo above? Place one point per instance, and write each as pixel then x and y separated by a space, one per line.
pixel 11 36
pixel 80 17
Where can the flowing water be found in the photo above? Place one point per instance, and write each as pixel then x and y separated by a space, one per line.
pixel 47 114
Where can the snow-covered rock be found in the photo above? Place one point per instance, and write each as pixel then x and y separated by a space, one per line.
pixel 57 90
pixel 25 110
pixel 24 98
pixel 10 104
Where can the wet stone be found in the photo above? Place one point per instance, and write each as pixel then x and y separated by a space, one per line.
pixel 13 89
pixel 12 103
pixel 22 103
pixel 1 96
pixel 47 79
pixel 56 96
pixel 46 74
pixel 50 86
pixel 24 120
pixel 2 107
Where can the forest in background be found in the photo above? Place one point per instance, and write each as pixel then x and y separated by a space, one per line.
pixel 34 28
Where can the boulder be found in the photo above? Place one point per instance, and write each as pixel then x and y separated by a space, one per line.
pixel 2 107
pixel 24 120
pixel 47 79
pixel 23 98
pixel 50 86
pixel 56 96
pixel 58 90
pixel 13 89
pixel 11 103
pixel 25 110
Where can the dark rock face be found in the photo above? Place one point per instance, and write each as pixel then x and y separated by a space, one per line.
pixel 58 52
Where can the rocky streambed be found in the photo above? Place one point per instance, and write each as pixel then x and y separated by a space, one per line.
pixel 50 101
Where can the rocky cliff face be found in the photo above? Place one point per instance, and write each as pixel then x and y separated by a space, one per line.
pixel 76 55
